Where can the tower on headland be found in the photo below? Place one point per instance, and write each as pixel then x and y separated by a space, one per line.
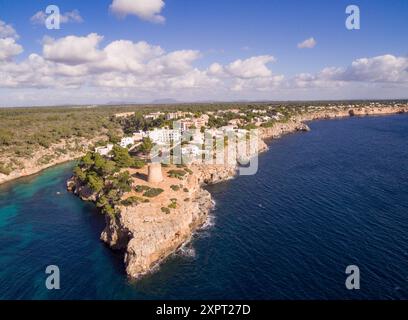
pixel 155 173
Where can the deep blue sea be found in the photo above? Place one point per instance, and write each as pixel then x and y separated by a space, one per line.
pixel 322 200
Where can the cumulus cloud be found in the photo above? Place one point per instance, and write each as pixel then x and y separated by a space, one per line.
pixel 73 50
pixel 124 69
pixel 216 69
pixel 68 17
pixel 127 56
pixel 7 31
pixel 148 10
pixel 386 68
pixel 307 44
pixel 251 68
pixel 380 69
pixel 9 48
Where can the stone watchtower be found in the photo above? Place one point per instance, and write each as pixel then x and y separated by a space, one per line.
pixel 155 173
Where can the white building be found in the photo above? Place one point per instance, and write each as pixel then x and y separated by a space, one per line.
pixel 172 115
pixel 104 151
pixel 138 136
pixel 153 116
pixel 191 150
pixel 164 136
pixel 126 141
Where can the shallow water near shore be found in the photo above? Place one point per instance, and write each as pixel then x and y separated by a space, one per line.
pixel 321 201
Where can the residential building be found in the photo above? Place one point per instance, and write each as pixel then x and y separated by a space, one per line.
pixel 104 151
pixel 191 150
pixel 126 141
pixel 138 136
pixel 153 116
pixel 124 114
pixel 197 123
pixel 164 136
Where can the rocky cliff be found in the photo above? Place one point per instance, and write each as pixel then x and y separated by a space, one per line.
pixel 148 232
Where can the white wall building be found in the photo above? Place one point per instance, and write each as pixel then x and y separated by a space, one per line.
pixel 104 151
pixel 126 141
pixel 161 136
pixel 191 150
pixel 153 116
pixel 138 136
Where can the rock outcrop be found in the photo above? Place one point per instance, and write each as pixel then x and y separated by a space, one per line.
pixel 149 235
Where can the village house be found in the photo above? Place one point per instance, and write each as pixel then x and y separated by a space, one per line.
pixel 153 116
pixel 197 123
pixel 164 136
pixel 138 136
pixel 126 141
pixel 104 151
pixel 124 114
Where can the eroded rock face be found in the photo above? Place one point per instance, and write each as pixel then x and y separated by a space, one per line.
pixel 115 234
pixel 155 235
pixel 82 191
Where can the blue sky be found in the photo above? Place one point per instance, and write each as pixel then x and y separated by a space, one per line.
pixel 224 31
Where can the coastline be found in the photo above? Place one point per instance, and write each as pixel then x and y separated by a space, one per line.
pixel 267 134
pixel 33 165
pixel 145 234
pixel 148 237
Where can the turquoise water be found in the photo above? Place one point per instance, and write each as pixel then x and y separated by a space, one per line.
pixel 322 200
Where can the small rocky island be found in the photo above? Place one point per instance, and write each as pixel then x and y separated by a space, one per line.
pixel 153 208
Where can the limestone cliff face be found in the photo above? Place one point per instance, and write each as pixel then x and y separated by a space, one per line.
pixel 148 235
pixel 82 191
pixel 281 129
pixel 212 174
pixel 154 239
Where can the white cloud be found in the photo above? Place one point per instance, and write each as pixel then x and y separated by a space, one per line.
pixel 67 17
pixel 216 69
pixel 73 50
pixel 251 68
pixel 380 69
pixel 148 10
pixel 307 44
pixel 7 31
pixel 258 84
pixel 386 68
pixel 173 63
pixel 80 69
pixel 9 48
pixel 126 56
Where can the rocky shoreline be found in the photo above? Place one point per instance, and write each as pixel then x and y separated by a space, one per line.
pixel 144 233
pixel 33 165
pixel 147 236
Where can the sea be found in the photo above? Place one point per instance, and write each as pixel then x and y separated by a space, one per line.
pixel 320 202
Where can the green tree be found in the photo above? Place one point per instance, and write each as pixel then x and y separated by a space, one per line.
pixel 103 166
pixel 95 182
pixel 79 174
pixel 138 163
pixel 122 157
pixel 146 146
pixel 122 182
pixel 113 137
pixel 87 161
